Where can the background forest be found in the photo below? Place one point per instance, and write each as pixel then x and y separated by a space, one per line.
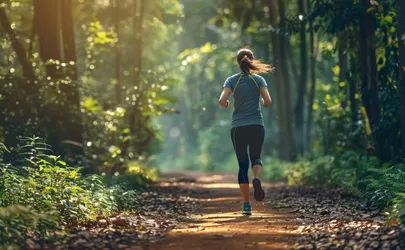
pixel 121 88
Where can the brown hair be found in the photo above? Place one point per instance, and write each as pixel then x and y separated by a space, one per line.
pixel 249 65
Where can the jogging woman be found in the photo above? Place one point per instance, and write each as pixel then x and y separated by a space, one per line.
pixel 248 89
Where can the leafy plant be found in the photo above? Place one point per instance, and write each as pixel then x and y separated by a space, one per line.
pixel 39 191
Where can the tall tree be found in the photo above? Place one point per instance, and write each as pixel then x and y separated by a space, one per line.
pixel 117 52
pixel 342 54
pixel 283 43
pixel 302 84
pixel 369 86
pixel 54 23
pixel 353 80
pixel 138 121
pixel 278 79
pixel 401 44
pixel 312 73
pixel 17 118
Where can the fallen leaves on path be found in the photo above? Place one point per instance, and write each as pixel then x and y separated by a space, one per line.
pixel 160 211
pixel 331 219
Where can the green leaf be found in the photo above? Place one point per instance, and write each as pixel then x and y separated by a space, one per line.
pixel 388 19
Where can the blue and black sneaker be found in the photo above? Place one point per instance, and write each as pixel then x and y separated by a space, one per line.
pixel 246 209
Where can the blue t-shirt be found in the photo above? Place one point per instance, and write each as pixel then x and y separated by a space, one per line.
pixel 246 99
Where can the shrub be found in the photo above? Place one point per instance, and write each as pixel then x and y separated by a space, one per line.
pixel 17 221
pixel 39 191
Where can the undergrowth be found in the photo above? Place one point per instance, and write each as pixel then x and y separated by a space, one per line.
pixel 39 192
pixel 381 185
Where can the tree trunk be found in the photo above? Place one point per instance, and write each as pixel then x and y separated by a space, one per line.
pixel 278 80
pixel 312 72
pixel 287 89
pixel 117 53
pixel 74 122
pixel 401 44
pixel 302 84
pixel 293 66
pixel 353 91
pixel 26 113
pixel 270 118
pixel 48 15
pixel 353 79
pixel 342 53
pixel 56 37
pixel 137 122
pixel 369 88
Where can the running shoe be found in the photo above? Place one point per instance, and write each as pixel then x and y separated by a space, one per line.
pixel 259 192
pixel 246 209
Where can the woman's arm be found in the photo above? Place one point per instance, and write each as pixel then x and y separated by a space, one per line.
pixel 264 92
pixel 223 99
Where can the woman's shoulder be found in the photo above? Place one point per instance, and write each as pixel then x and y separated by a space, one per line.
pixel 234 76
pixel 256 76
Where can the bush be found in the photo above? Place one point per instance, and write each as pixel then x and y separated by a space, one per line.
pixel 17 221
pixel 381 185
pixel 39 191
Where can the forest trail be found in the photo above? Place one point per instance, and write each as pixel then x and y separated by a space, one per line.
pixel 219 225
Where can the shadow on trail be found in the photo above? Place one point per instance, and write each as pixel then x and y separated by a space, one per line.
pixel 289 218
pixel 219 224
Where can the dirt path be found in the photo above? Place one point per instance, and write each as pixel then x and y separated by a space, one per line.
pixel 219 224
pixel 289 218
pixel 192 210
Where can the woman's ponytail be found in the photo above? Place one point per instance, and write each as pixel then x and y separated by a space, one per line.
pixel 248 65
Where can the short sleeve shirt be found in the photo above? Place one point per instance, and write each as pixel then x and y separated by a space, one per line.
pixel 246 93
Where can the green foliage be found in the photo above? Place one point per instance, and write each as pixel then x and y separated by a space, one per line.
pixel 46 183
pixel 16 221
pixel 382 186
pixel 276 170
pixel 39 192
pixel 137 175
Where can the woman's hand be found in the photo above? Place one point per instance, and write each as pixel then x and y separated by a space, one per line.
pixel 223 99
pixel 266 99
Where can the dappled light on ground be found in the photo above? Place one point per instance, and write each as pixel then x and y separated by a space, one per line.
pixel 219 224
pixel 289 218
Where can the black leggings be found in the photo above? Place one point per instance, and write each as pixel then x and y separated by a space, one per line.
pixel 242 137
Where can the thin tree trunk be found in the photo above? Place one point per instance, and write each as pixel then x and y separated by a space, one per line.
pixel 342 66
pixel 117 53
pixel 302 84
pixel 353 80
pixel 137 121
pixel 74 121
pixel 311 96
pixel 32 36
pixel 29 97
pixel 278 80
pixel 287 89
pixel 293 66
pixel 270 118
pixel 353 91
pixel 369 88
pixel 137 29
pixel 401 44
